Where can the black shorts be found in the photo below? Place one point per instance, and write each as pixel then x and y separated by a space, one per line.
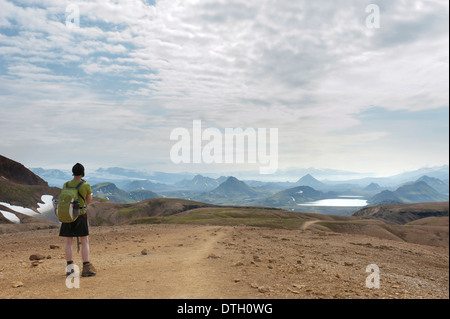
pixel 78 228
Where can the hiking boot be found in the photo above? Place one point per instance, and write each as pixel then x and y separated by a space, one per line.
pixel 68 273
pixel 88 270
pixel 70 269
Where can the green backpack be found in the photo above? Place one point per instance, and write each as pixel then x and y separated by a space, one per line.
pixel 67 207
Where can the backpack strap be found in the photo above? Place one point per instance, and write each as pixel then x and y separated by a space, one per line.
pixel 78 186
pixel 84 200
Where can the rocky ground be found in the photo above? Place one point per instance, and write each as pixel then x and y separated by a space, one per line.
pixel 185 261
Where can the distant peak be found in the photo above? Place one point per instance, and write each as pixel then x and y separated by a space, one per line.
pixel 308 176
pixel 309 180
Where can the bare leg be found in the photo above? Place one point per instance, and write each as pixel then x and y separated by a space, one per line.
pixel 88 268
pixel 68 248
pixel 84 248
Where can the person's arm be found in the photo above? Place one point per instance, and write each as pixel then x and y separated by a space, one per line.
pixel 88 194
pixel 89 198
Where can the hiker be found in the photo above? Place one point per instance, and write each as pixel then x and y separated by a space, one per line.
pixel 79 228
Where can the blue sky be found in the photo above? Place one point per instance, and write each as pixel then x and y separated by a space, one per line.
pixel 342 95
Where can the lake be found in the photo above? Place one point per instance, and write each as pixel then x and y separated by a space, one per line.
pixel 342 201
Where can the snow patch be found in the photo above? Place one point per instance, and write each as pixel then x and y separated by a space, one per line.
pixel 20 209
pixel 44 207
pixel 47 206
pixel 10 216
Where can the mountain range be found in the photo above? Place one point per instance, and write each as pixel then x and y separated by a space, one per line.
pixel 417 192
pixel 110 192
pixel 24 206
pixel 440 186
pixel 243 192
pixel 199 183
pixel 290 177
pixel 293 196
pixel 129 185
pixel 233 191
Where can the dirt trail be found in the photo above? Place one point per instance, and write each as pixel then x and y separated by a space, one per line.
pixel 181 261
pixel 175 264
pixel 187 272
pixel 309 223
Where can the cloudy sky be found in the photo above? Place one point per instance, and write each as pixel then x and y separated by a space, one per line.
pixel 342 92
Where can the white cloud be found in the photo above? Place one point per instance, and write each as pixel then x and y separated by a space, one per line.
pixel 132 71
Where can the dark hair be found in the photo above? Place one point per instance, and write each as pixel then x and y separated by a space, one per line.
pixel 78 170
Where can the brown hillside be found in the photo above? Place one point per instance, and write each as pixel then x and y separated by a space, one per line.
pixel 401 214
pixel 176 211
pixel 102 212
pixel 21 187
pixel 15 172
